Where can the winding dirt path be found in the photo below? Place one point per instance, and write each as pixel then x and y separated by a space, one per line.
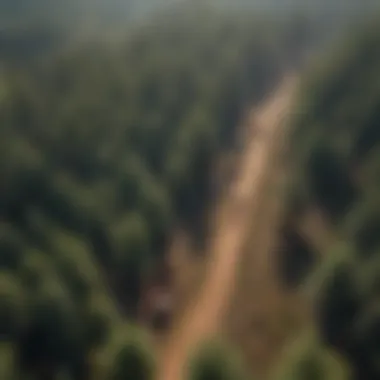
pixel 202 319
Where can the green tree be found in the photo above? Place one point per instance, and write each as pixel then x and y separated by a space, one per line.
pixel 52 338
pixel 12 308
pixel 216 361
pixel 133 360
pixel 307 358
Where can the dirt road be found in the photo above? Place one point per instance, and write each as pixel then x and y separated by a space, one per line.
pixel 232 221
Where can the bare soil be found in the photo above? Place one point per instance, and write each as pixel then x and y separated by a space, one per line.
pixel 203 318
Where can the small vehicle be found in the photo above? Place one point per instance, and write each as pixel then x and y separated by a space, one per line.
pixel 156 304
pixel 162 310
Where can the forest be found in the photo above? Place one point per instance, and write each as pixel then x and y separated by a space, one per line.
pixel 335 153
pixel 106 148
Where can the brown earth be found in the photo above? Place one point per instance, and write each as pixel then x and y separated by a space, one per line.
pixel 203 318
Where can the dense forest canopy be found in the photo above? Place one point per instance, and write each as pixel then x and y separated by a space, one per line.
pixel 36 26
pixel 103 149
pixel 336 156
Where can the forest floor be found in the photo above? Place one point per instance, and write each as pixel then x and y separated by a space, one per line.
pixel 204 316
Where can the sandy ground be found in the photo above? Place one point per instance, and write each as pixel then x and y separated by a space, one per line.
pixel 202 319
